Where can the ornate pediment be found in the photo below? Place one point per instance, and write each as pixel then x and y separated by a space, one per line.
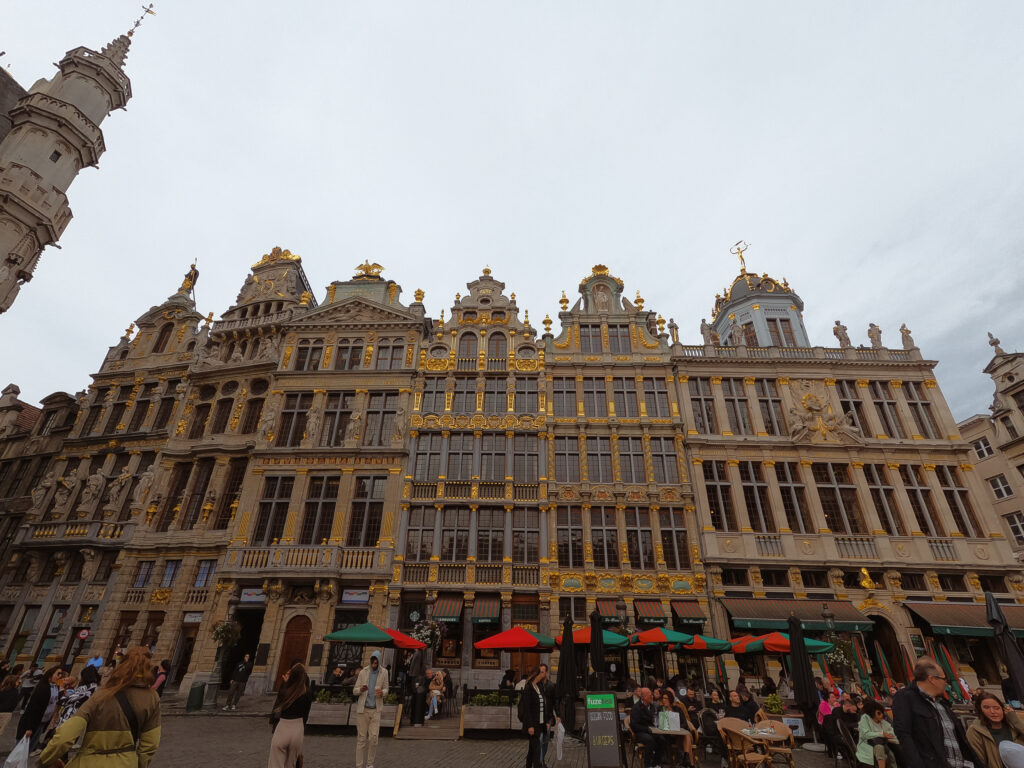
pixel 356 312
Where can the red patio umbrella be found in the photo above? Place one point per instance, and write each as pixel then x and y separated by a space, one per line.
pixel 611 639
pixel 405 642
pixel 659 636
pixel 908 663
pixel 705 644
pixel 515 639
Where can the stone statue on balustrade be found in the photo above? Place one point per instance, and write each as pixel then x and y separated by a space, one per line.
pixel 142 488
pixel 875 334
pixel 117 490
pixel 705 332
pixel 65 491
pixel 40 492
pixel 908 340
pixel 94 485
pixel 840 333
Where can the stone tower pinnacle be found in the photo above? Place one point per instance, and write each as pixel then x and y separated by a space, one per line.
pixel 55 132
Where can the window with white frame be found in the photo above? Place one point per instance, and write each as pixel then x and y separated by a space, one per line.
pixel 1000 487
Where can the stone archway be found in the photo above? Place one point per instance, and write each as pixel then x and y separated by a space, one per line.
pixel 294 645
pixel 884 634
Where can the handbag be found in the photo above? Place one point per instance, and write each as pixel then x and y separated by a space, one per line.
pixel 19 755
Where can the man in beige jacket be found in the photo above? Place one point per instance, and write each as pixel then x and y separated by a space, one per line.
pixel 371 687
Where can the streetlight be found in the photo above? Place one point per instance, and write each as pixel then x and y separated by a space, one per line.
pixel 829 617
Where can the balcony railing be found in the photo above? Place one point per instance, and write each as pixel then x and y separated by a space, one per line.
pixel 492 490
pixel 463 490
pixel 323 558
pixel 769 545
pixel 197 596
pixel 424 490
pixel 525 575
pixel 488 573
pixel 821 353
pixel 416 573
pixel 857 547
pixel 457 489
pixel 943 549
pixel 98 531
pixel 135 597
pixel 458 573
pixel 451 573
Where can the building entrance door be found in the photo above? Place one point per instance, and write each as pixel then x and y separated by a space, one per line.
pixel 294 646
pixel 883 637
pixel 183 653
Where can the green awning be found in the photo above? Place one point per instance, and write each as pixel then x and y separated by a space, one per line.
pixel 965 619
pixel 487 609
pixel 447 608
pixel 773 613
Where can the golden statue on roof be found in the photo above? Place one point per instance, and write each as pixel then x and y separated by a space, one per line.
pixel 368 270
pixel 277 254
pixel 738 250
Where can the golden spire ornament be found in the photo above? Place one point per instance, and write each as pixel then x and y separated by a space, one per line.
pixel 738 250
pixel 547 323
pixel 564 301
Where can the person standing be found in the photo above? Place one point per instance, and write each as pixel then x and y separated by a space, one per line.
pixel 160 679
pixel 288 718
pixel 372 687
pixel 73 699
pixel 239 677
pixel 96 660
pixel 29 679
pixel 533 715
pixel 552 719
pixel 9 698
pixel 996 724
pixel 41 703
pixel 418 688
pixel 929 735
pixel 119 724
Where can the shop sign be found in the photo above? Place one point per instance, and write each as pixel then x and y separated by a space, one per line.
pixel 252 595
pixel 355 596
pixel 193 617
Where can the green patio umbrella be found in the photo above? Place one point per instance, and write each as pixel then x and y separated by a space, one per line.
pixel 362 634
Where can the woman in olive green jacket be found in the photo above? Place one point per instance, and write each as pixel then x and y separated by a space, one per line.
pixel 995 724
pixel 104 725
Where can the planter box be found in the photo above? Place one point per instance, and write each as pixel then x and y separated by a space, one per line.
pixel 388 713
pixel 329 714
pixel 489 718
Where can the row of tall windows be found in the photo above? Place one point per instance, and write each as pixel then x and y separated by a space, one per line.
pixel 448 534
pixel 625 393
pixel 348 355
pixel 491 457
pixel 570 534
pixel 600 456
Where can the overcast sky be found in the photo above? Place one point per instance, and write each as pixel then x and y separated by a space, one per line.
pixel 870 152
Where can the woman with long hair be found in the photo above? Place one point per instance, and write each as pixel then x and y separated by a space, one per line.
pixel 119 724
pixel 40 706
pixel 74 697
pixel 9 697
pixel 288 718
pixel 996 723
pixel 533 717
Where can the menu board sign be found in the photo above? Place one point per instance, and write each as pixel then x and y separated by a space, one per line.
pixel 603 749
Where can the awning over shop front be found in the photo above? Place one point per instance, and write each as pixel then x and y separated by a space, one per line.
pixel 688 611
pixel 649 612
pixel 487 609
pixel 765 613
pixel 606 608
pixel 447 608
pixel 965 619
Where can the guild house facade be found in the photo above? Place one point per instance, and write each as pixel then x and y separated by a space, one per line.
pixel 315 459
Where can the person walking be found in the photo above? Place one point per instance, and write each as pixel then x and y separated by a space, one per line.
pixel 118 725
pixel 160 677
pixel 533 714
pixel 29 679
pixel 73 698
pixel 239 677
pixel 39 709
pixel 551 711
pixel 996 724
pixel 928 733
pixel 9 698
pixel 372 687
pixel 288 718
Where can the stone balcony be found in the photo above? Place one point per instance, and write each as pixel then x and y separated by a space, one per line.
pixel 477 491
pixel 893 551
pixel 96 533
pixel 860 354
pixel 481 574
pixel 325 561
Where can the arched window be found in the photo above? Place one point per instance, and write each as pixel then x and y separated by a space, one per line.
pixel 467 352
pixel 497 352
pixel 163 337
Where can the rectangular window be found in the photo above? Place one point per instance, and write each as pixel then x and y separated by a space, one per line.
pixel 663 460
pixel 590 339
pixel 337 416
pixel 176 494
pixel 982 448
pixel 884 500
pixel 171 568
pixel 427 464
pixel 838 497
pixel 618 339
pixel 567 460
pixel 163 414
pixel 639 538
pixel 569 532
pixel 526 395
pixel 460 456
pixel 116 414
pixel 955 492
pixel 204 573
pixel 781 330
pixel 321 498
pixel 852 405
pixel 631 460
pixel 349 356
pixel 193 505
pixel 755 494
pixel 221 414
pixel 736 407
pixel 419 542
pixel 595 397
pixel 1000 487
pixel 525 459
pixel 93 415
pixel 1011 430
pixel 232 491
pixel 604 534
pixel 454 534
pixel 202 415
pixel 750 335
pixel 293 419
pixel 771 406
pixel 574 608
pixel 673 539
pixel 703 405
pixel 367 511
pixel 885 406
pixel 47 422
pixel 525 536
pixel 624 397
pixel 719 489
pixel 380 418
pixel 139 415
pixel 143 572
pixel 308 354
pixel 433 395
pixel 564 396
pixel 1015 520
pixel 490 535
pixel 273 510
pixel 920 495
pixel 656 398
pixel 464 397
pixel 251 415
pixel 599 460
pixel 920 409
pixel 390 354
pixel 492 457
pixel 951 582
pixel 495 395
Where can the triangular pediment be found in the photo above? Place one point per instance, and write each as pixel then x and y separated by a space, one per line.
pixel 356 311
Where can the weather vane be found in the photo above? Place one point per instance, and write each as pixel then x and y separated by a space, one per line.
pixel 738 250
pixel 147 10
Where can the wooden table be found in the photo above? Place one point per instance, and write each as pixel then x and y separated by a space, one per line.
pixel 764 736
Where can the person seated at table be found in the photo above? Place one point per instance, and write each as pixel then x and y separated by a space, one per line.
pixel 717 704
pixel 334 679
pixel 876 737
pixel 641 720
pixel 351 676
pixel 768 687
pixel 436 694
pixel 691 703
pixel 687 730
pixel 850 713
pixel 744 709
pixel 784 689
pixel 996 723
pixel 827 707
pixel 509 680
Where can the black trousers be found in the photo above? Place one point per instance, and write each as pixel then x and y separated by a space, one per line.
pixel 652 747
pixel 533 753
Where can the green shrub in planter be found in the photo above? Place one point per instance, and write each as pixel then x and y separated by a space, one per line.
pixel 391 698
pixel 323 696
pixel 772 705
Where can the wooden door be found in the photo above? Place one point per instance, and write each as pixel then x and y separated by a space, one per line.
pixel 294 646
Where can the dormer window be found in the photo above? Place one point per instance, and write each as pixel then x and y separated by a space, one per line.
pixel 469 316
pixel 498 316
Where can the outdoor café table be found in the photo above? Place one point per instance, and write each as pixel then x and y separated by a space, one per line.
pixel 764 735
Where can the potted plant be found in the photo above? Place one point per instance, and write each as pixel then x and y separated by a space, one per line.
pixel 772 705
pixel 490 711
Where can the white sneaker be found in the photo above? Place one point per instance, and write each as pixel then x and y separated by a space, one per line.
pixel 225 709
pixel 234 709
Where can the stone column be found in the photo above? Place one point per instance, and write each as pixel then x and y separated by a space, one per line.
pixel 346 488
pixel 247 504
pixel 682 390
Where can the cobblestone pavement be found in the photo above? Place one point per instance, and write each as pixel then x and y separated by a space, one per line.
pixel 243 740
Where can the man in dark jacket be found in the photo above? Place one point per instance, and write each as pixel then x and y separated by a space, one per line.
pixel 533 714
pixel 641 720
pixel 929 735
pixel 239 677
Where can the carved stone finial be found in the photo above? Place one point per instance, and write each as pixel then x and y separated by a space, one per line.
pixel 661 324
pixel 564 301
pixel 994 343
pixel 547 323
pixel 418 294
pixel 639 301
pixel 487 271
